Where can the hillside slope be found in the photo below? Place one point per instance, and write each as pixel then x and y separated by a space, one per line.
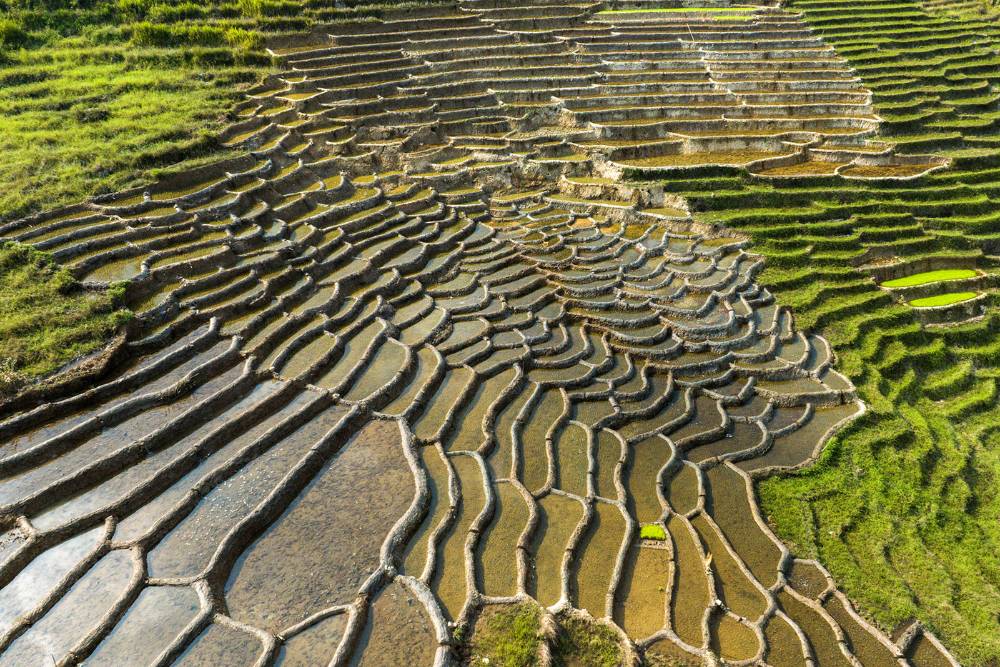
pixel 902 506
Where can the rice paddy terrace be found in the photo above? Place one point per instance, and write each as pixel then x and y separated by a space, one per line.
pixel 482 317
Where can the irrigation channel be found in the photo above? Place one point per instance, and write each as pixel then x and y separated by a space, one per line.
pixel 422 350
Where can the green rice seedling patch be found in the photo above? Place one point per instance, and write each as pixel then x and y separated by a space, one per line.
pixel 653 531
pixel 942 299
pixel 590 180
pixel 804 169
pixel 669 211
pixel 568 199
pixel 928 277
pixel 682 10
pixel 887 171
pixel 735 13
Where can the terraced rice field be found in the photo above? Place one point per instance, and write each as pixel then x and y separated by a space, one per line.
pixel 898 508
pixel 485 314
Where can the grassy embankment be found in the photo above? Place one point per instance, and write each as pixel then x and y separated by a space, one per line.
pixel 903 504
pixel 97 97
pixel 46 319
pixel 512 636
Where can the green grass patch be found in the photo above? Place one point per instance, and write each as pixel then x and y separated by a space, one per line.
pixel 653 531
pixel 97 95
pixel 506 636
pixel 738 14
pixel 76 128
pixel 582 642
pixel 930 277
pixel 94 97
pixel 942 299
pixel 46 318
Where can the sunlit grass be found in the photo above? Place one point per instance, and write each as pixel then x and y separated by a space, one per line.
pixel 46 318
pixel 683 10
pixel 507 636
pixel 582 642
pixel 75 130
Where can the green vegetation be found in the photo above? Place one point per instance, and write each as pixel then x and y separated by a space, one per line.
pixel 688 159
pixel 71 129
pixel 902 506
pixel 735 13
pixel 974 7
pixel 653 532
pixel 511 636
pixel 101 95
pixel 97 95
pixel 46 318
pixel 942 299
pixel 930 277
pixel 507 636
pixel 586 644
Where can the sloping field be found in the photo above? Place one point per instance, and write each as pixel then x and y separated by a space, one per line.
pixel 99 94
pixel 901 507
pixel 483 315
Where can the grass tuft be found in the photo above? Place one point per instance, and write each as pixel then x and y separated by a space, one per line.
pixel 507 636
pixel 46 318
pixel 95 96
pixel 583 642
